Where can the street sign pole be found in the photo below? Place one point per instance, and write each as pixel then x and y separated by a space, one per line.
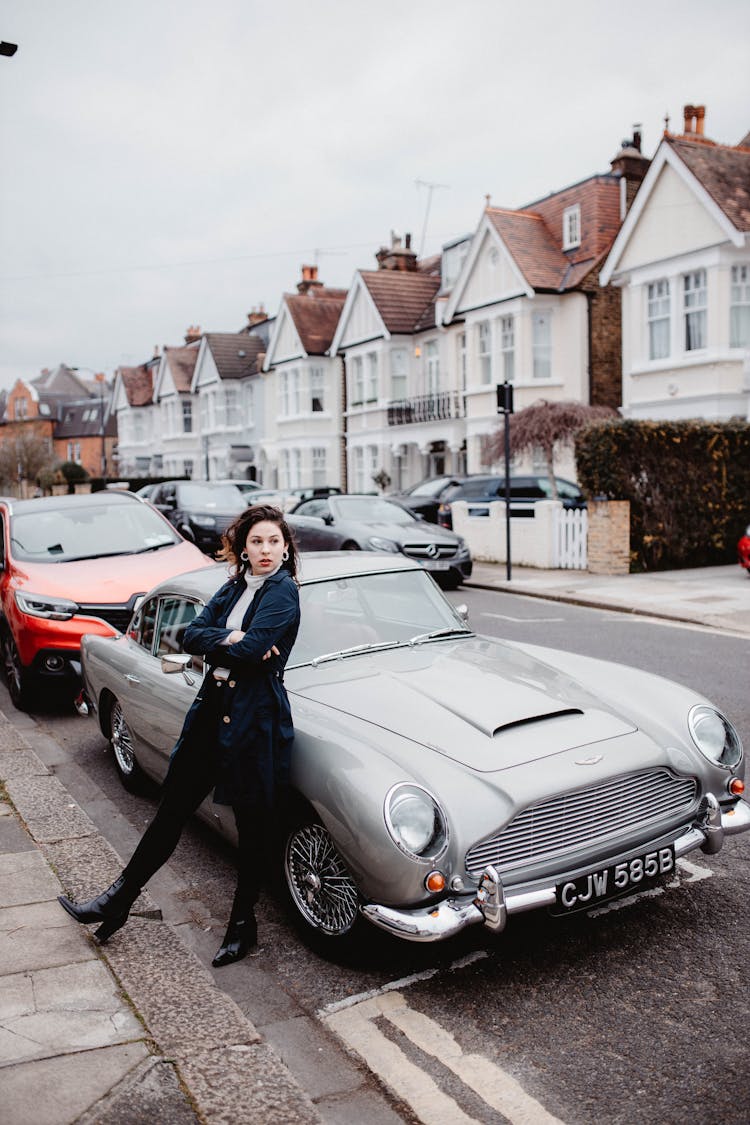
pixel 505 407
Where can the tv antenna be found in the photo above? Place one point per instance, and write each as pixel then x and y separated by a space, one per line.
pixel 431 187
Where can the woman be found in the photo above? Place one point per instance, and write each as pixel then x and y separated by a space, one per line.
pixel 237 735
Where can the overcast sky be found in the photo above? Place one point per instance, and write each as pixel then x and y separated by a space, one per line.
pixel 174 162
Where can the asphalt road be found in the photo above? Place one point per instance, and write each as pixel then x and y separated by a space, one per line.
pixel 633 1013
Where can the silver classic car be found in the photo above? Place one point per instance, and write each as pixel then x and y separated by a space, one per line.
pixel 441 779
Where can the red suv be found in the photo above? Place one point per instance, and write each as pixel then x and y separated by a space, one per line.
pixel 71 565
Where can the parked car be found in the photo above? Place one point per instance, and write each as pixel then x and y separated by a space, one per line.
pixel 71 565
pixel 375 523
pixel 524 493
pixel 743 550
pixel 200 510
pixel 299 495
pixel 247 487
pixel 440 779
pixel 424 497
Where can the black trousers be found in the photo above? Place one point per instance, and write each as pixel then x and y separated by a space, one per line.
pixel 192 775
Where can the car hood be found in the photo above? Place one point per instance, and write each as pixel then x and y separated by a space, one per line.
pixel 476 701
pixel 417 532
pixel 108 580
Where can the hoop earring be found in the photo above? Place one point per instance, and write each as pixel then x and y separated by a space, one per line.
pixel 244 556
pixel 285 555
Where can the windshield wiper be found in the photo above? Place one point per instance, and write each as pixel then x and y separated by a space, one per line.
pixel 85 558
pixel 153 547
pixel 437 633
pixel 355 650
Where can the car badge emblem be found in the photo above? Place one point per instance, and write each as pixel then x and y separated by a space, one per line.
pixel 432 550
pixel 592 761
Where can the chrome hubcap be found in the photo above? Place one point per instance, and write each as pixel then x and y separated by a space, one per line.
pixel 322 889
pixel 122 742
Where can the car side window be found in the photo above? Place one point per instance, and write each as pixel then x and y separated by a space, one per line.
pixel 317 508
pixel 142 627
pixel 175 615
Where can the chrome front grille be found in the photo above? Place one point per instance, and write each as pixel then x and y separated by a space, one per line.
pixel 429 550
pixel 653 798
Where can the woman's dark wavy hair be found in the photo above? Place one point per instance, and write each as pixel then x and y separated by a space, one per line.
pixel 234 538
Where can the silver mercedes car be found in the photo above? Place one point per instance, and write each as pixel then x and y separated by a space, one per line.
pixel 441 779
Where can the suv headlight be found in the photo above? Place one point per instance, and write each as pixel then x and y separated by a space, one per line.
pixel 43 605
pixel 415 821
pixel 203 521
pixel 377 543
pixel 714 736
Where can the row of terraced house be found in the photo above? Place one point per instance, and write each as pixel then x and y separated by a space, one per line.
pixel 630 288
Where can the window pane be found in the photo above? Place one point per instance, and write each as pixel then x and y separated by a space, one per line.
pixel 542 345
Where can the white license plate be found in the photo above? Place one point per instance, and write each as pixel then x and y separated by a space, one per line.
pixel 431 564
pixel 607 882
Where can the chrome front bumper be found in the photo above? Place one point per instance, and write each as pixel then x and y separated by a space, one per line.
pixel 493 903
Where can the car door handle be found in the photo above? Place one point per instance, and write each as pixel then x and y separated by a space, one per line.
pixel 132 679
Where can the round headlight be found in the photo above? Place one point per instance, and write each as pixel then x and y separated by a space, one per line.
pixel 714 736
pixel 415 821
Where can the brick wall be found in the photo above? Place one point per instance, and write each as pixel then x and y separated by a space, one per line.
pixel 605 311
pixel 609 537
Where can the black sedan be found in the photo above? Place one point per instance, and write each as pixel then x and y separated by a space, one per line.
pixel 200 510
pixel 374 523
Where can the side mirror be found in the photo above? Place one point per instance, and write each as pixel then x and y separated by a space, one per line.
pixel 176 662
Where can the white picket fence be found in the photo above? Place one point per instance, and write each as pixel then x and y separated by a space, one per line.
pixel 570 532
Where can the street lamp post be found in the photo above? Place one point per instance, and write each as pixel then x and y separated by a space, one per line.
pixel 504 393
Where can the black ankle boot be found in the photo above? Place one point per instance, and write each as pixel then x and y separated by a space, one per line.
pixel 241 936
pixel 111 907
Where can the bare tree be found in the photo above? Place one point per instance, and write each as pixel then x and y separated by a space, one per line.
pixel 549 426
pixel 23 456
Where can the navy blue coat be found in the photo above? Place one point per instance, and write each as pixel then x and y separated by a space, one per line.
pixel 246 720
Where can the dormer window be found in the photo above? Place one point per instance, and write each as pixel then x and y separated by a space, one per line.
pixel 572 227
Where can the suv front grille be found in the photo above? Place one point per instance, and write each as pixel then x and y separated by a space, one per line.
pixel 571 821
pixel 118 616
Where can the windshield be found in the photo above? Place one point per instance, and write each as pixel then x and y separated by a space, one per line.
pixel 369 509
pixel 226 497
pixel 371 609
pixel 90 531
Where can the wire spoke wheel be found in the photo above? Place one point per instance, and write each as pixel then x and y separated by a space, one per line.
pixel 320 886
pixel 122 743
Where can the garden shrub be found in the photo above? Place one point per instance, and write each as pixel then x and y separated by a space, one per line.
pixel 688 484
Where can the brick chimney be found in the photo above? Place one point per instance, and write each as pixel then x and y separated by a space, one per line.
pixel 632 166
pixel 257 316
pixel 694 117
pixel 309 280
pixel 400 258
pixel 193 333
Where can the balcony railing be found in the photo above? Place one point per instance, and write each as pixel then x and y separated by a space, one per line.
pixel 426 408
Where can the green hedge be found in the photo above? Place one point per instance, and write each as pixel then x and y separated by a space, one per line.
pixel 688 484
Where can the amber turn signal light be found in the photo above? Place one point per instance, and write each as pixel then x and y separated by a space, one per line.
pixel 435 882
pixel 736 787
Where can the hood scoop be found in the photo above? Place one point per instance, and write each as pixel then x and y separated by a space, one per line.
pixel 515 723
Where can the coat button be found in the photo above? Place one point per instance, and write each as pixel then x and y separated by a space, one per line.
pixel 233 683
pixel 227 719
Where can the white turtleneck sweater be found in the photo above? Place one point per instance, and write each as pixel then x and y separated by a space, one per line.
pixel 253 583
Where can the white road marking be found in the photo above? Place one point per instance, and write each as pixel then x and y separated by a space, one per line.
pixel 695 875
pixel 403 982
pixel 494 1086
